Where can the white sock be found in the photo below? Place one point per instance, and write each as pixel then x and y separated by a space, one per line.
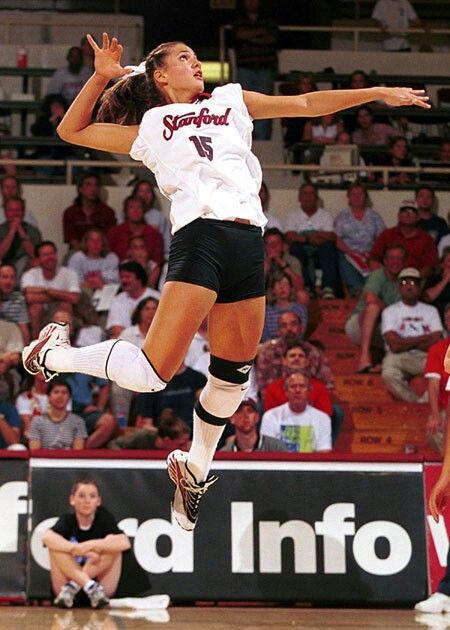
pixel 89 586
pixel 74 585
pixel 117 360
pixel 204 443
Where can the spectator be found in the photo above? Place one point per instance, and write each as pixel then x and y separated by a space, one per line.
pixel 94 264
pixel 272 220
pixel 33 402
pixel 88 329
pixel 142 317
pixel 438 396
pixel 356 228
pixel 435 226
pixel 419 245
pixel 359 79
pixel 11 345
pixel 396 14
pixel 369 131
pixel 281 297
pixel 57 427
pixel 277 260
pixel 323 130
pixel 295 359
pixel 247 438
pixel 255 42
pixel 48 286
pixel 87 211
pixel 444 151
pixel 399 157
pixel 153 215
pixel 90 397
pixel 269 360
pixel 310 231
pixel 68 81
pixel 13 307
pixel 10 187
pixel 53 108
pixel 10 425
pixel 302 428
pixel 172 432
pixel 137 251
pixel 133 282
pixel 380 290
pixel 17 237
pixel 437 289
pixel 180 395
pixel 134 225
pixel 409 328
pixel 85 548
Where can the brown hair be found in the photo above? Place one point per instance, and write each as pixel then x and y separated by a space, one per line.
pixel 84 482
pixel 127 100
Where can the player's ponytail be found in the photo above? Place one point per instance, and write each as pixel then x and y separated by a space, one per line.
pixel 127 100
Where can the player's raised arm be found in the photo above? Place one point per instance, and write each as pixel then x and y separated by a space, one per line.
pixel 76 126
pixel 329 101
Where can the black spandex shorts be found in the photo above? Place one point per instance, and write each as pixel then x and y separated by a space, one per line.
pixel 225 256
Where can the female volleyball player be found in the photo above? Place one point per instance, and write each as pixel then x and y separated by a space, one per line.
pixel 199 148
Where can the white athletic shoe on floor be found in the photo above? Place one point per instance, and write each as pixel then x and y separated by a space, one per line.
pixel 436 603
pixel 65 597
pixel 97 596
pixel 188 491
pixel 55 334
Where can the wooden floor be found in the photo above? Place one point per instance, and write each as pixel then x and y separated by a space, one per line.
pixel 217 618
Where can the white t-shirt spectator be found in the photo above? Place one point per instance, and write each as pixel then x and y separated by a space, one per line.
pixel 122 307
pixel 394 14
pixel 410 321
pixel 305 432
pixel 299 221
pixel 64 280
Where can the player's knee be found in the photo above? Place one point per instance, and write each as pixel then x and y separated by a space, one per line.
pixel 226 388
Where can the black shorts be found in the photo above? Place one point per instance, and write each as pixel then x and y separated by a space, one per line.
pixel 225 256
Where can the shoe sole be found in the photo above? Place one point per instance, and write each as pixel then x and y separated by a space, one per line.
pixel 175 475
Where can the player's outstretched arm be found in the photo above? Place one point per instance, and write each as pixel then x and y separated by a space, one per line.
pixel 76 126
pixel 330 101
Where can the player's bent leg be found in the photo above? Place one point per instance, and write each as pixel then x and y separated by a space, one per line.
pixel 109 571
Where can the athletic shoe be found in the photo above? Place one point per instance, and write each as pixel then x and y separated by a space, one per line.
pixel 97 596
pixel 65 597
pixel 188 492
pixel 327 293
pixel 436 603
pixel 55 334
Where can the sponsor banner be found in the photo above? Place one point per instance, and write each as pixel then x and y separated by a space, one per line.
pixel 268 531
pixel 13 527
pixel 437 533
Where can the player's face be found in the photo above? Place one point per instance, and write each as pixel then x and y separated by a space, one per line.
pixel 182 72
pixel 85 499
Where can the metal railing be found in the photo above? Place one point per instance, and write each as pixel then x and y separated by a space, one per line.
pixel 355 31
pixel 385 171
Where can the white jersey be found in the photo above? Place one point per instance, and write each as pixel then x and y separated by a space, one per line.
pixel 201 156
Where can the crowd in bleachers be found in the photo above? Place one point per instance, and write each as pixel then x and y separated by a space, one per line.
pixel 109 283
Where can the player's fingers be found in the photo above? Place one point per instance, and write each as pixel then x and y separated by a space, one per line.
pixel 105 40
pixel 113 46
pixel 92 41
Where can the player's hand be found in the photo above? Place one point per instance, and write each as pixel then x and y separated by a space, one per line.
pixel 402 97
pixel 82 549
pixel 439 497
pixel 107 58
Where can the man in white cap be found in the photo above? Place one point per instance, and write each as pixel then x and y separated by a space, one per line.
pixel 409 328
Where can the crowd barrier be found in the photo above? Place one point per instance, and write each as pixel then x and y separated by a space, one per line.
pixel 275 528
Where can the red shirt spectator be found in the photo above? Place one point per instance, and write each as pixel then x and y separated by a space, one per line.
pixel 87 212
pixel 134 225
pixel 420 246
pixel 434 369
pixel 318 395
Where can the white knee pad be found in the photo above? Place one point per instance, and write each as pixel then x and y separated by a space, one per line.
pixel 129 367
pixel 221 398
